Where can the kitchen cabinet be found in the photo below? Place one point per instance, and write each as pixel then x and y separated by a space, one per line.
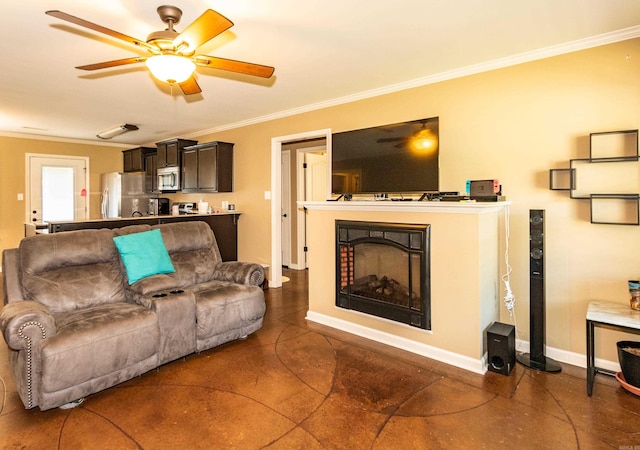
pixel 208 167
pixel 169 151
pixel 133 160
pixel 151 173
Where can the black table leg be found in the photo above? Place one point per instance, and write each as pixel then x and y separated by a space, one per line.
pixel 591 366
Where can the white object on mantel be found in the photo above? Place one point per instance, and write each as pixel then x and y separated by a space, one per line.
pixel 203 207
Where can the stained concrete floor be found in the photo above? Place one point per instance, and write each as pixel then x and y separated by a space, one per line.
pixel 296 384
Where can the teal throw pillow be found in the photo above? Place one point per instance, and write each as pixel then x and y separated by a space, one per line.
pixel 143 254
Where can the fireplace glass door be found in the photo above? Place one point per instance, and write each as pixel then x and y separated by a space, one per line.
pixel 383 270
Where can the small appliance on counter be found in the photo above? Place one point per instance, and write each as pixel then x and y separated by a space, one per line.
pixel 159 206
pixel 186 207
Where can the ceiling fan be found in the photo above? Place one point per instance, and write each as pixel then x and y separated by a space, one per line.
pixel 173 56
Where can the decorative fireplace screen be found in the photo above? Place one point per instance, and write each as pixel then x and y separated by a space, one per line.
pixel 383 269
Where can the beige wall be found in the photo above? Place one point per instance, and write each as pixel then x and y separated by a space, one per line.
pixel 102 158
pixel 513 124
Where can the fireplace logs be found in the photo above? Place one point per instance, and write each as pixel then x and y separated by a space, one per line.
pixel 385 289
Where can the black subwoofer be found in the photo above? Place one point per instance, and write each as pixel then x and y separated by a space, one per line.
pixel 501 348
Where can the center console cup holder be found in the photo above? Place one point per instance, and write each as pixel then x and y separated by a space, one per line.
pixel 164 294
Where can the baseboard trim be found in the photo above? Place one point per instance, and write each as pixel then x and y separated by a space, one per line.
pixel 464 362
pixel 567 357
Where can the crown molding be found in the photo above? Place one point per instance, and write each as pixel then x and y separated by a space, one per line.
pixel 546 52
pixel 39 137
pixel 520 58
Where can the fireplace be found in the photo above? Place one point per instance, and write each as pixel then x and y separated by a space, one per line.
pixel 382 269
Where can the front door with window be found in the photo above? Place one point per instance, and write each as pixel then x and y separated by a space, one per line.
pixel 57 188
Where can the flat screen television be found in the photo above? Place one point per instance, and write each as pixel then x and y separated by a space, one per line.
pixel 388 159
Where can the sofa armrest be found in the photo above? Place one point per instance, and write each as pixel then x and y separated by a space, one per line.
pixel 240 272
pixel 23 322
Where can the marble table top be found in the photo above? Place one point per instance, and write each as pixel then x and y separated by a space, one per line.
pixel 614 313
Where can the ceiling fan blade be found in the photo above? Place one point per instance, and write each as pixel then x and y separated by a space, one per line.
pixel 206 27
pixel 397 139
pixel 115 63
pixel 190 86
pixel 232 65
pixel 99 28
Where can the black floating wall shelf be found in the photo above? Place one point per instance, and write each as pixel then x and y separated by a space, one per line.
pixel 622 208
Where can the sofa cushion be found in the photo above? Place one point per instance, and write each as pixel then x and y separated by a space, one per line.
pixel 222 306
pixel 71 270
pixel 95 342
pixel 143 254
pixel 196 258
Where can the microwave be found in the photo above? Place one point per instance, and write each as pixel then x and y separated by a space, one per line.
pixel 168 179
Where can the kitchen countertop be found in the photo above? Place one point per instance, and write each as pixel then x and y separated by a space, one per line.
pixel 222 213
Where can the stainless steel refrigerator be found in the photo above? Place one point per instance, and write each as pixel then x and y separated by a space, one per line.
pixel 123 195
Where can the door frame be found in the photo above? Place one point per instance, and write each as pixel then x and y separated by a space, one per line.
pixel 275 272
pixel 28 158
pixel 286 209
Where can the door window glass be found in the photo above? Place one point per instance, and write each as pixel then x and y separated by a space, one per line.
pixel 57 193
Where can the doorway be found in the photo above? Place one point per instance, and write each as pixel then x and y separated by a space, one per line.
pixel 277 143
pixel 57 188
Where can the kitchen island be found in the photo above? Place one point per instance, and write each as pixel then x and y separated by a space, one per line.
pixel 224 226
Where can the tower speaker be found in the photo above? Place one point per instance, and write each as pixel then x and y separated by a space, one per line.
pixel 501 348
pixel 536 358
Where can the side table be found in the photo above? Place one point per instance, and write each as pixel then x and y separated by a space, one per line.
pixel 613 315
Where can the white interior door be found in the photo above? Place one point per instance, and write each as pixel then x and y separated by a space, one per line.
pixel 57 188
pixel 286 208
pixel 316 177
pixel 312 187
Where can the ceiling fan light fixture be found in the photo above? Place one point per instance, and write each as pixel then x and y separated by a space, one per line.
pixel 170 69
pixel 424 140
pixel 113 132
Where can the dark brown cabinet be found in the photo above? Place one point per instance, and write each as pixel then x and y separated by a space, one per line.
pixel 168 152
pixel 151 173
pixel 208 167
pixel 133 160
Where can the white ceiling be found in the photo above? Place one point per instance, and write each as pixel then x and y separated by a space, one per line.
pixel 324 51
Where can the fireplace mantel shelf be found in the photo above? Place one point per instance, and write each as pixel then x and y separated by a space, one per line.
pixel 411 206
